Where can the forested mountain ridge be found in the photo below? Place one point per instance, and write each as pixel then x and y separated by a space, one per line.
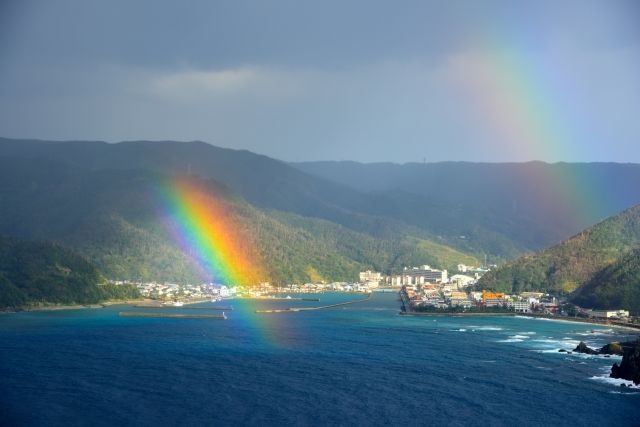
pixel 41 272
pixel 115 219
pixel 271 184
pixel 592 266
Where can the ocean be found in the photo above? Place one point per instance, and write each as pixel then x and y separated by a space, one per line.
pixel 359 364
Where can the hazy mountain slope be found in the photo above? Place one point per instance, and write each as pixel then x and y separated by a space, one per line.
pixel 39 272
pixel 572 263
pixel 536 204
pixel 114 218
pixel 269 183
pixel 615 286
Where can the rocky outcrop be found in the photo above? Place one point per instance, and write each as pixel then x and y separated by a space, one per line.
pixel 608 349
pixel 629 368
pixel 583 348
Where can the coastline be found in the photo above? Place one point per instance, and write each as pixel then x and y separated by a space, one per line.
pixel 59 307
pixel 610 323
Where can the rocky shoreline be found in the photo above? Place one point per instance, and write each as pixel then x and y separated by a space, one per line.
pixel 629 368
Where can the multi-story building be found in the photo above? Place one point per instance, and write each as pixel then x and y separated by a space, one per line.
pixel 370 276
pixel 419 276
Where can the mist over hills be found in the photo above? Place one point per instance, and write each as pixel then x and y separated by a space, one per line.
pixel 524 201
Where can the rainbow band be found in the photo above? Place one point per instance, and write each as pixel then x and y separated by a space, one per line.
pixel 205 226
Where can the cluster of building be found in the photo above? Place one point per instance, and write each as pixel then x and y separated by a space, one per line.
pixel 430 296
pixel 174 291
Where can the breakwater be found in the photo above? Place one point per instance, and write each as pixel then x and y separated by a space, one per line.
pixel 171 315
pixel 322 307
pixel 229 308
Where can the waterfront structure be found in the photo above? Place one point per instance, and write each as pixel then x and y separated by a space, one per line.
pixel 493 299
pixel 608 314
pixel 520 306
pixel 419 276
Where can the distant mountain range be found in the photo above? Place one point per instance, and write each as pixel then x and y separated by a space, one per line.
pixel 599 267
pixel 311 221
pixel 533 205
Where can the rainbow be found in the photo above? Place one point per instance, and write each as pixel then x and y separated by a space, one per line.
pixel 528 106
pixel 206 226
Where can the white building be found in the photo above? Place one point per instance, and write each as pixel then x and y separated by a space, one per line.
pixel 462 281
pixel 370 276
pixel 608 314
pixel 520 306
pixel 419 276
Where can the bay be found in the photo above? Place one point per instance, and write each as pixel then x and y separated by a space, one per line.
pixel 359 364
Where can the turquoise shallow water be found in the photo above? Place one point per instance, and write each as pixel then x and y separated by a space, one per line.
pixel 360 364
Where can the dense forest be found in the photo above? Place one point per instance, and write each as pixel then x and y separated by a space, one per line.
pixel 38 272
pixel 615 286
pixel 597 267
pixel 115 219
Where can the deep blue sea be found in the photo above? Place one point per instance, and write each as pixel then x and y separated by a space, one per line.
pixel 361 364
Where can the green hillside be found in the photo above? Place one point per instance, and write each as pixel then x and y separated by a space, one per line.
pixel 114 218
pixel 565 267
pixel 41 272
pixel 615 286
pixel 270 184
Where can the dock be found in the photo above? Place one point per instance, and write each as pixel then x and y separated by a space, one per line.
pixel 322 307
pixel 172 315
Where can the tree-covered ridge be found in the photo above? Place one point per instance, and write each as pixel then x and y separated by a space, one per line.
pixel 41 272
pixel 615 286
pixel 115 219
pixel 572 263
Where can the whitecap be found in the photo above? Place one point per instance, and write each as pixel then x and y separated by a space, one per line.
pixel 521 337
pixel 614 381
pixel 511 340
pixel 489 328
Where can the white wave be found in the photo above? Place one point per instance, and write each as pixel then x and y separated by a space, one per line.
pixel 614 381
pixel 460 330
pixel 511 340
pixel 526 333
pixel 521 337
pixel 489 328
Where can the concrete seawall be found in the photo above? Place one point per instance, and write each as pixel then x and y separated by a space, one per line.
pixel 171 315
pixel 322 307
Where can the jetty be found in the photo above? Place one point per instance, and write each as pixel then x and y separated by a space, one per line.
pixel 228 308
pixel 172 315
pixel 322 307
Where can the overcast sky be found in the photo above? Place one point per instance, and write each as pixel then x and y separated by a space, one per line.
pixel 330 80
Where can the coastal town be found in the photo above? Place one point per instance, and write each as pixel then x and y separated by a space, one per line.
pixel 423 290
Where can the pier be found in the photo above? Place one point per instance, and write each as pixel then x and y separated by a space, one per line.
pixel 172 315
pixel 322 307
